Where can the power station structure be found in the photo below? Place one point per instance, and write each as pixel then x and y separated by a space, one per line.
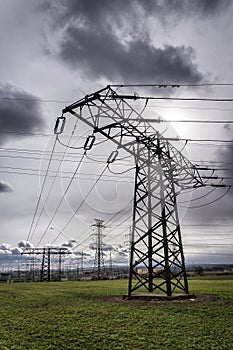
pixel 99 267
pixel 162 172
pixel 46 253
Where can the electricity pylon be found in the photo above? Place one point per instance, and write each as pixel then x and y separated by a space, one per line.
pixel 46 253
pixel 161 172
pixel 99 258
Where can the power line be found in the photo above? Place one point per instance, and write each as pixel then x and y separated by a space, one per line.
pixel 164 120
pixel 24 133
pixel 165 138
pixel 56 174
pixel 195 199
pixel 208 168
pixel 61 200
pixel 39 158
pixel 163 85
pixel 34 100
pixel 208 254
pixel 112 180
pixel 196 121
pixel 192 108
pixel 80 205
pixel 42 153
pixel 67 146
pixel 197 140
pixel 211 161
pixel 123 221
pixel 147 98
pixel 119 234
pixel 196 144
pixel 115 175
pixel 213 201
pixel 13 132
pixel 173 85
pixel 42 189
pixel 212 225
pixel 208 245
pixel 199 121
pixel 67 177
pixel 73 160
pixel 116 214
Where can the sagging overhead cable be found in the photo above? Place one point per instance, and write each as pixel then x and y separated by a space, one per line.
pixel 59 125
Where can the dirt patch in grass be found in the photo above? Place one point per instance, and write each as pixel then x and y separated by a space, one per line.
pixel 199 299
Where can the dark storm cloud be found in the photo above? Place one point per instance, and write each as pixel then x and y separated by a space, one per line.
pixel 97 11
pixel 220 207
pixel 225 154
pixel 5 187
pixel 17 114
pixel 108 39
pixel 70 244
pixel 182 8
pixel 104 55
pixel 24 244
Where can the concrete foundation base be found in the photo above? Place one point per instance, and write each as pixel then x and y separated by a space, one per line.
pixel 152 296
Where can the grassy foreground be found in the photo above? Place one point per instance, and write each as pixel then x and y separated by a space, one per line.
pixel 87 315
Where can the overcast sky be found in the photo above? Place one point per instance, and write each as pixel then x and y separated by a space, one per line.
pixel 55 52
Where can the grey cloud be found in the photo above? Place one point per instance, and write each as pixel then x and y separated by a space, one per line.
pixel 225 154
pixel 5 187
pixel 8 249
pixel 71 243
pixel 207 7
pixel 5 247
pixel 104 55
pixel 221 210
pixel 16 251
pixel 97 11
pixel 183 8
pixel 107 40
pixel 24 244
pixel 89 9
pixel 18 115
pixel 218 211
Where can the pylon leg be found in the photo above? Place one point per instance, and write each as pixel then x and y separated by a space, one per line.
pixel 157 259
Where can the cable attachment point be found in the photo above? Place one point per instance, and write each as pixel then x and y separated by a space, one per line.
pixel 89 142
pixel 59 125
pixel 112 157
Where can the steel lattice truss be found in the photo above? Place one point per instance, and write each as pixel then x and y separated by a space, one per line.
pixel 46 259
pixel 99 258
pixel 157 260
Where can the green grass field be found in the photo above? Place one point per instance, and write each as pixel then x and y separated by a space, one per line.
pixel 91 315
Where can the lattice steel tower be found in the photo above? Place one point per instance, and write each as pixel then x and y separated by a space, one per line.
pixel 99 258
pixel 161 173
pixel 46 253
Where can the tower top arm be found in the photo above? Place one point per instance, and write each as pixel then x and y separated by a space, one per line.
pixel 114 117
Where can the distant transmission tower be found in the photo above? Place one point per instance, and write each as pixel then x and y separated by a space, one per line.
pixel 110 266
pixel 81 264
pixel 46 253
pixel 128 243
pixel 99 259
